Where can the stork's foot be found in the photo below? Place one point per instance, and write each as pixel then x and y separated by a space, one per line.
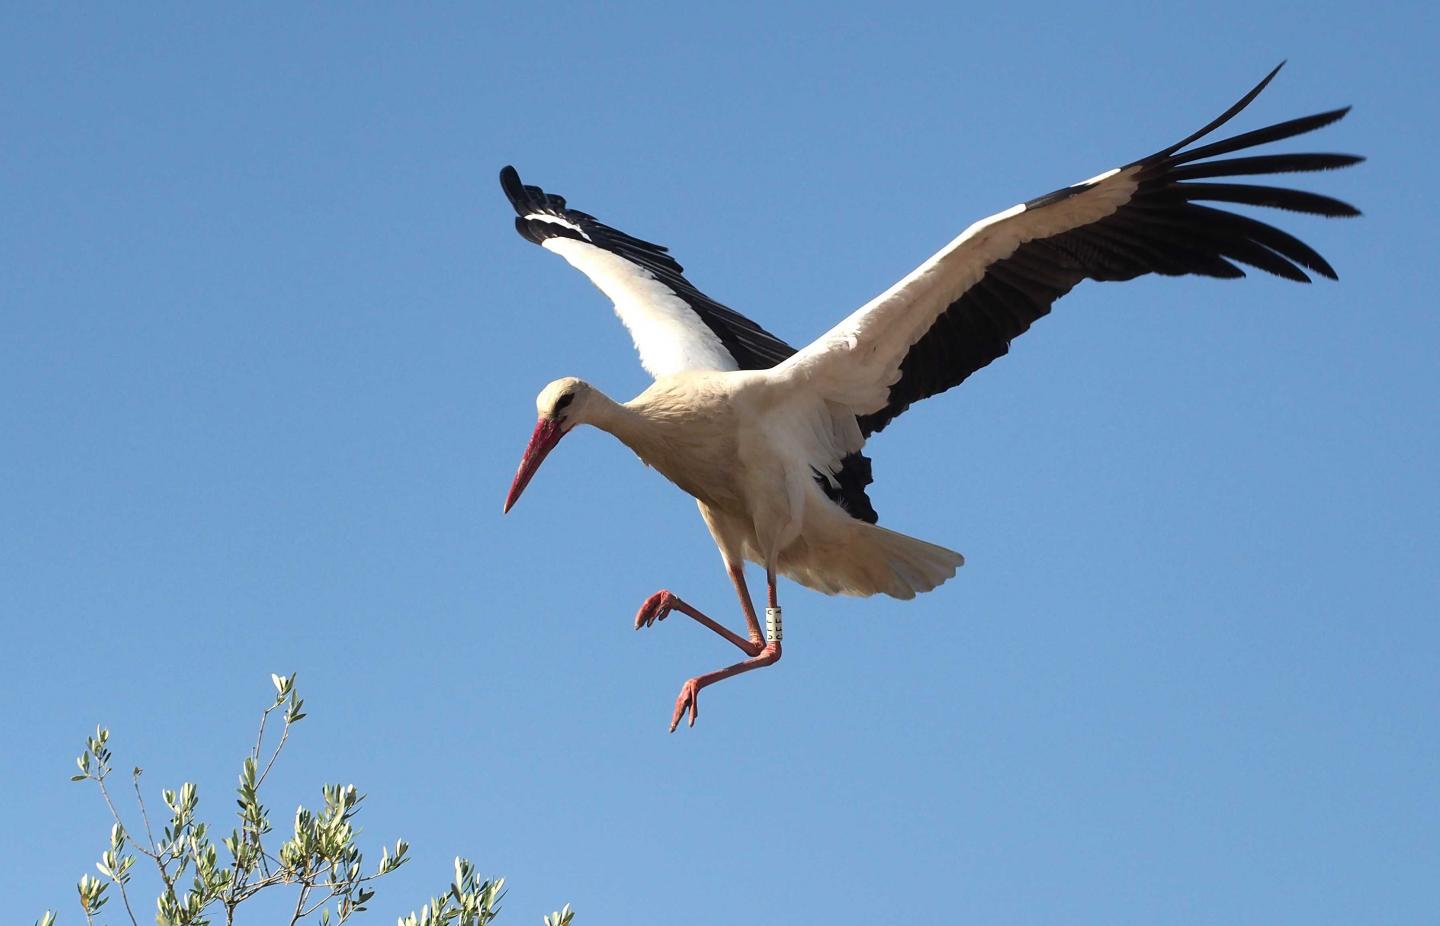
pixel 656 608
pixel 689 699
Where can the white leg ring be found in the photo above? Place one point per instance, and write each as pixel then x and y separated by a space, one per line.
pixel 773 631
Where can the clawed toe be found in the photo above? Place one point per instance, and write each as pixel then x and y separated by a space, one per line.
pixel 656 608
pixel 689 699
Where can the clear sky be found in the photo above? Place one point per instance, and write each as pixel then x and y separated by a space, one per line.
pixel 268 357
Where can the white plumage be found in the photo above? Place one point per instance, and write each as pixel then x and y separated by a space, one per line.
pixel 856 362
pixel 768 439
pixel 747 447
pixel 661 323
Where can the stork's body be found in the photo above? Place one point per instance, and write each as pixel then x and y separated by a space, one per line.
pixel 747 446
pixel 769 439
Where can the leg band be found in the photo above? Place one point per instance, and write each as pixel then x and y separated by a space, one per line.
pixel 773 631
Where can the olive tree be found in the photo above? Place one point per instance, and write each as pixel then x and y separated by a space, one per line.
pixel 319 863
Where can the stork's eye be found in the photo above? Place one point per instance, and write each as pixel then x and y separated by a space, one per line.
pixel 564 400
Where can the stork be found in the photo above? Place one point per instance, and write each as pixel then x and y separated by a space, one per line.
pixel 768 439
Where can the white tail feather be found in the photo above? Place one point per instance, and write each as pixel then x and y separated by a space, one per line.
pixel 870 560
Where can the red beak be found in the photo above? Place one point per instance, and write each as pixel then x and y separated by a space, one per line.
pixel 547 435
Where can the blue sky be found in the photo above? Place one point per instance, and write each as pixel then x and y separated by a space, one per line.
pixel 270 348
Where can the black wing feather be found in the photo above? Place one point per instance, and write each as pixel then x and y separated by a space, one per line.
pixel 1162 229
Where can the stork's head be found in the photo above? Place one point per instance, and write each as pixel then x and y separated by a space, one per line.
pixel 561 405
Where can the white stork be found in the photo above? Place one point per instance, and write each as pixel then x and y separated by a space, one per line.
pixel 767 439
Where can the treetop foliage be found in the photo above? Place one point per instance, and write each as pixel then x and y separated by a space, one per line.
pixel 319 861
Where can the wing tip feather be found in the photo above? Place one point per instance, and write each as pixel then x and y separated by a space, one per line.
pixel 1221 119
pixel 513 188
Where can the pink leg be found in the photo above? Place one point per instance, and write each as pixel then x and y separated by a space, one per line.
pixel 659 605
pixel 767 654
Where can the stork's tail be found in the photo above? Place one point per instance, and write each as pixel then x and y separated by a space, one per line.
pixel 912 565
pixel 871 561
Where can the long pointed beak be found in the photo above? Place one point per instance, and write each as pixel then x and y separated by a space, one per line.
pixel 547 435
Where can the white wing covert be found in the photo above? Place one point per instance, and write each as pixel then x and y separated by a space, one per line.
pixel 675 326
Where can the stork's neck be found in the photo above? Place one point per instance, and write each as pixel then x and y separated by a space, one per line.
pixel 684 430
pixel 629 424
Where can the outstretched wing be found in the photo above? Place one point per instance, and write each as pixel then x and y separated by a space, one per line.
pixel 959 310
pixel 675 326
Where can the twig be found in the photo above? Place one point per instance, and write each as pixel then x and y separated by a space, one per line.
pixel 260 734
pixel 284 735
pixel 299 904
pixel 126 899
pixel 154 850
pixel 329 897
